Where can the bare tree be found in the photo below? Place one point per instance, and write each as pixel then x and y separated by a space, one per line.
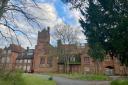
pixel 66 33
pixel 10 10
pixel 68 37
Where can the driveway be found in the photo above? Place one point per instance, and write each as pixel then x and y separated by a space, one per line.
pixel 65 81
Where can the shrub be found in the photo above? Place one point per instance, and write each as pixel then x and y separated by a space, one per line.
pixel 50 78
pixel 119 82
pixel 11 78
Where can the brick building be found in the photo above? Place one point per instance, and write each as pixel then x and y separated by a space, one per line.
pixel 24 60
pixel 8 56
pixel 69 58
pixel 78 60
pixel 43 60
pixel 63 58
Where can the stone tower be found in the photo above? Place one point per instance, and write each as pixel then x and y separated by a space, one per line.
pixel 42 61
pixel 43 37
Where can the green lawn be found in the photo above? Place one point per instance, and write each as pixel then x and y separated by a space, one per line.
pixel 37 80
pixel 28 79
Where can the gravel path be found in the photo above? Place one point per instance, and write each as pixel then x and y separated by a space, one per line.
pixel 65 81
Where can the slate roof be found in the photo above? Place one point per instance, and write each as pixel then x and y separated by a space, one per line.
pixel 27 54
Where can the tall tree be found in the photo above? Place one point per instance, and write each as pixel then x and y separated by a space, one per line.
pixel 67 39
pixel 93 33
pixel 105 22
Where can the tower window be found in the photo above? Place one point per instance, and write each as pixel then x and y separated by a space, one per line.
pixel 42 60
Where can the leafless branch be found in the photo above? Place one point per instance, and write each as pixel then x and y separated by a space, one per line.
pixel 19 6
pixel 66 34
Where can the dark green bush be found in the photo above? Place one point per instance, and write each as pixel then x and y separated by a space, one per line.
pixel 50 78
pixel 119 82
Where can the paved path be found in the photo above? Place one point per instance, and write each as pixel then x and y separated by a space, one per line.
pixel 65 81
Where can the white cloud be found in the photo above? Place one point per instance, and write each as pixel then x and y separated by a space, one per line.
pixel 48 16
pixel 76 15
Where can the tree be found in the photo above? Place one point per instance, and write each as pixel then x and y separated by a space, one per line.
pixel 10 13
pixel 66 33
pixel 98 54
pixel 67 40
pixel 105 22
pixel 93 16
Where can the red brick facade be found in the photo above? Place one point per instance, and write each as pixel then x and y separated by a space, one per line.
pixel 8 56
pixel 43 62
pixel 86 65
pixel 44 58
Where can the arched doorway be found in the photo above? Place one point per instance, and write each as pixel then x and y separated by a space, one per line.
pixel 109 70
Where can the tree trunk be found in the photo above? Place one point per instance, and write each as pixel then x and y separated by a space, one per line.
pixel 3 4
pixel 97 67
pixel 125 71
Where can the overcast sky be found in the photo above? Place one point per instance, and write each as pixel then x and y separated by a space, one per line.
pixel 51 12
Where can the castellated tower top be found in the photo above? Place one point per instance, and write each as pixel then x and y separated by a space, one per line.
pixel 44 36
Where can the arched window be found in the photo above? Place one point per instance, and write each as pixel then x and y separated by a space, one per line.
pixel 42 60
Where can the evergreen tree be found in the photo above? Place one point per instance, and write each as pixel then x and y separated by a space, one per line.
pixel 106 22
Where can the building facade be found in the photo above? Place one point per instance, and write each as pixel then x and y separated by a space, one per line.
pixel 43 60
pixel 63 58
pixel 8 56
pixel 24 60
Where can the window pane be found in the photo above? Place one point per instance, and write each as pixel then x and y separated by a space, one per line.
pixel 8 59
pixel 50 61
pixel 25 61
pixel 21 61
pixel 86 60
pixel 28 68
pixel 29 61
pixel 42 60
pixel 3 60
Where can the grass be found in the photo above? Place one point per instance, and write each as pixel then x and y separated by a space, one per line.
pixel 119 82
pixel 27 79
pixel 79 76
pixel 37 80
